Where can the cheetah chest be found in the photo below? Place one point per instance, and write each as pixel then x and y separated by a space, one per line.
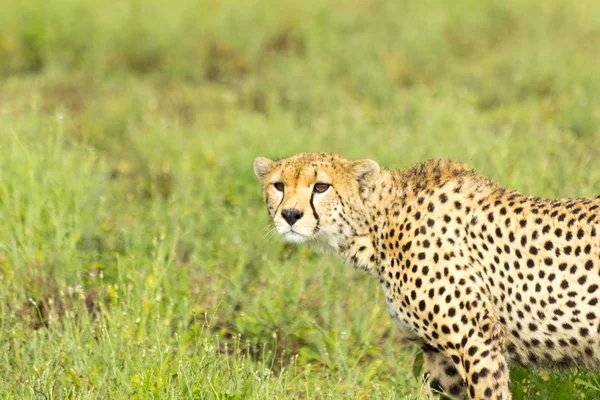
pixel 399 318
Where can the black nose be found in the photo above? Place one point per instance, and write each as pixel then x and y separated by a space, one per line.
pixel 292 216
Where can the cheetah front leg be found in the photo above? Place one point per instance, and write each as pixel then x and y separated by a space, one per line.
pixel 484 365
pixel 442 378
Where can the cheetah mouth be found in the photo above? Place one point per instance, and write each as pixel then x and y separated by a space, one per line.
pixel 292 236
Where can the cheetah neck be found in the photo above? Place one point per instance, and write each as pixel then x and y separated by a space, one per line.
pixel 388 201
pixel 381 202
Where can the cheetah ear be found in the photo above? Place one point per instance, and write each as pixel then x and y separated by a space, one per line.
pixel 365 171
pixel 262 166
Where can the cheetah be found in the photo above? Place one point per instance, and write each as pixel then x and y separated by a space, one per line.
pixel 478 276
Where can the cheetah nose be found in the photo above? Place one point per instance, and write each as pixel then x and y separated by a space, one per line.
pixel 292 215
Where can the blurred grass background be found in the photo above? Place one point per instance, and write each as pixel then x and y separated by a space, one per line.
pixel 132 256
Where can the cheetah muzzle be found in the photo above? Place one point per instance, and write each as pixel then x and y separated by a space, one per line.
pixel 477 275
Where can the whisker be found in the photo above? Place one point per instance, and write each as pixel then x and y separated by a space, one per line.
pixel 267 228
pixel 271 231
pixel 318 235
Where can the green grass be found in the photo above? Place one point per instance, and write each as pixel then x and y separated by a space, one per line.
pixel 133 262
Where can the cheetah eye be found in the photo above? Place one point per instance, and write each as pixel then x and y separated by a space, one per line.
pixel 321 187
pixel 279 186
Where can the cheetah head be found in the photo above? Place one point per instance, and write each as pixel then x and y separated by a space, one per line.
pixel 314 198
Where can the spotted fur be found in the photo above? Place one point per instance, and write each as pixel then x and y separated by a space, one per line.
pixel 477 275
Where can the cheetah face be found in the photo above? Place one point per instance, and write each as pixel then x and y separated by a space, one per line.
pixel 307 195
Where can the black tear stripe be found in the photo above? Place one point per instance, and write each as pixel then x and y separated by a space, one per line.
pixel 312 195
pixel 278 205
